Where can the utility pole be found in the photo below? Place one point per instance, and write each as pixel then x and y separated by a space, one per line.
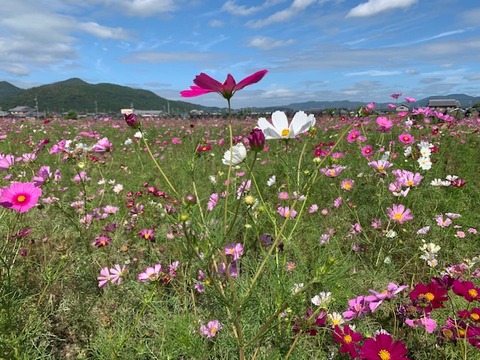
pixel 96 107
pixel 36 107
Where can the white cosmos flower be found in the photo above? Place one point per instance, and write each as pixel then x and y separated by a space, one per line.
pixel 236 155
pixel 272 180
pixel 279 128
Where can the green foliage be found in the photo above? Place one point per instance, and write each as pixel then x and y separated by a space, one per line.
pixel 52 307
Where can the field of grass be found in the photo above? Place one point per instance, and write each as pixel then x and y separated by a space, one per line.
pixel 145 245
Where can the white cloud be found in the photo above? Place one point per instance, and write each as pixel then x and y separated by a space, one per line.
pixel 240 10
pixel 166 57
pixel 144 8
pixel 373 73
pixel 266 43
pixel 374 7
pixel 104 32
pixel 283 15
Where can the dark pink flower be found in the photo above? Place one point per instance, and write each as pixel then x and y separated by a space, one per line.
pixel 19 196
pixel 382 348
pixel 205 84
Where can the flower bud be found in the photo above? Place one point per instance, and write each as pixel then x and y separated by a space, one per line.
pixel 132 121
pixel 256 139
pixel 189 199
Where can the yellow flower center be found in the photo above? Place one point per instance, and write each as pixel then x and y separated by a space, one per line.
pixel 380 167
pixel 213 330
pixel 398 216
pixel 473 293
pixel 347 339
pixel 429 296
pixel 347 186
pixel 409 183
pixel 285 132
pixel 384 355
pixel 21 198
pixel 475 316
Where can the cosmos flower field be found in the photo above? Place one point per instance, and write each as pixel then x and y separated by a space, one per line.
pixel 321 237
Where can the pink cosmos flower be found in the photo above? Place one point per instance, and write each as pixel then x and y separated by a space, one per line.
pixel 380 165
pixel 356 308
pixel 19 196
pixel 399 214
pixel 334 171
pixel 6 161
pixel 151 273
pixel 117 273
pixel 212 202
pixel 235 250
pixel 367 150
pixel 443 222
pixel 211 329
pixel 425 321
pixel 406 138
pixel 286 212
pixel 104 277
pixel 384 123
pixel 389 293
pixel 353 135
pixel 409 99
pixel 147 234
pixel 396 95
pixel 102 146
pixel 205 84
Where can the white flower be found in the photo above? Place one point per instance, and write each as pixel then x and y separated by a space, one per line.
pixel 117 188
pixel 391 234
pixel 297 288
pixel 335 319
pixel 408 151
pixel 279 127
pixel 272 180
pixel 235 155
pixel 128 141
pixel 138 135
pixel 322 300
pixel 425 163
pixel 213 179
pixel 425 151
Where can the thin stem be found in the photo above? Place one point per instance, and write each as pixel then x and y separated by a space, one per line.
pixel 158 165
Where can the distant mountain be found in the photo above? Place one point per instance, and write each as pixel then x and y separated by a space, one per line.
pixel 8 90
pixel 76 94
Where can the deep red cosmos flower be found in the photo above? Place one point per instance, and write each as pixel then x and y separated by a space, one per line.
pixel 429 296
pixel 349 339
pixel 466 289
pixel 473 316
pixel 205 84
pixel 383 348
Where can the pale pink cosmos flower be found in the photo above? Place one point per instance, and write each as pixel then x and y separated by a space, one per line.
pixel 285 212
pixel 211 329
pixel 283 195
pixel 104 277
pixel 380 165
pixel 313 209
pixel 235 250
pixel 212 202
pixel 117 273
pixel 399 213
pixel 389 293
pixel 151 273
pixel 337 202
pixel 334 171
pixel 347 184
pixel 102 146
pixel 428 323
pixel 6 161
pixel 443 222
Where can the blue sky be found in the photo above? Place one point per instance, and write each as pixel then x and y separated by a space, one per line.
pixel 313 49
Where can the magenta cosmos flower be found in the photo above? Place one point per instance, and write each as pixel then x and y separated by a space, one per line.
pixel 383 348
pixel 19 196
pixel 205 84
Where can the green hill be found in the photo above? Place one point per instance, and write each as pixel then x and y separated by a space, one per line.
pixel 76 94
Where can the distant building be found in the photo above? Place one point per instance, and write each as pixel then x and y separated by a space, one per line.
pixel 444 104
pixel 402 108
pixel 22 111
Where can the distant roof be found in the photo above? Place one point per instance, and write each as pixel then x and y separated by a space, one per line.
pixel 444 103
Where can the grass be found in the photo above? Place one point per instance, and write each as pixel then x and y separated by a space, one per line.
pixel 53 308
